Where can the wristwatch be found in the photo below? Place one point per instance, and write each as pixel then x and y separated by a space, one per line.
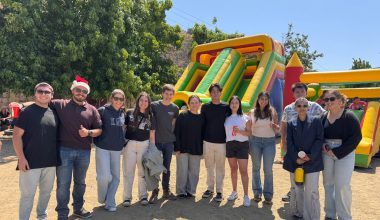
pixel 90 133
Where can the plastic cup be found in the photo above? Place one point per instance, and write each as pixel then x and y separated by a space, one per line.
pixel 233 130
pixel 301 154
pixel 15 111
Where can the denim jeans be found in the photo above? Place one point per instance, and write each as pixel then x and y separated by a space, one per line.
pixel 337 183
pixel 107 175
pixel 43 178
pixel 75 163
pixel 261 147
pixel 167 152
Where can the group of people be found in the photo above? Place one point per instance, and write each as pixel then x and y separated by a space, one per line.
pixel 53 138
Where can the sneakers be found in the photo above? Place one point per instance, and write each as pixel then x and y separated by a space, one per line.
pixel 169 195
pixel 189 195
pixel 286 198
pixel 144 201
pixel 154 196
pixel 110 209
pixel 268 201
pixel 207 194
pixel 257 198
pixel 127 203
pixel 246 201
pixel 83 213
pixel 232 196
pixel 182 196
pixel 218 197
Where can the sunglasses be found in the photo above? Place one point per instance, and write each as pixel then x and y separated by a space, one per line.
pixel 331 99
pixel 118 99
pixel 78 90
pixel 305 106
pixel 43 92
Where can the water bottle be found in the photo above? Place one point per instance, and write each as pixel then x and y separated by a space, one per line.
pixel 299 175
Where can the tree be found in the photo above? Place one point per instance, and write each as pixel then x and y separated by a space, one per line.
pixel 360 64
pixel 114 44
pixel 296 42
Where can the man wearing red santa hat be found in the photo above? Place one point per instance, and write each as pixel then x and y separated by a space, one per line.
pixel 79 123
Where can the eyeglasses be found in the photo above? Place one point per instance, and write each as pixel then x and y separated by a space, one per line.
pixel 78 90
pixel 305 106
pixel 118 99
pixel 43 92
pixel 331 99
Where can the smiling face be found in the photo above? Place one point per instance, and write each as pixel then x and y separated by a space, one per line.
pixel 79 93
pixel 43 95
pixel 143 103
pixel 332 102
pixel 302 107
pixel 299 93
pixel 263 101
pixel 117 101
pixel 215 94
pixel 234 105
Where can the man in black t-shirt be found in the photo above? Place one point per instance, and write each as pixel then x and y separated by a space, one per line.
pixel 35 143
pixel 214 144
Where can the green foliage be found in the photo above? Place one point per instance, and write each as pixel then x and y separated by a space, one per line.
pixel 296 42
pixel 360 64
pixel 114 44
pixel 201 35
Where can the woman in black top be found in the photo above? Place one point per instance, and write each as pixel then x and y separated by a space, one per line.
pixel 139 132
pixel 342 135
pixel 188 148
pixel 108 147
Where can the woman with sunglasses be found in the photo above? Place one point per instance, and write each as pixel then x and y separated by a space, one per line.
pixel 139 133
pixel 263 146
pixel 342 135
pixel 237 126
pixel 188 148
pixel 108 148
pixel 304 149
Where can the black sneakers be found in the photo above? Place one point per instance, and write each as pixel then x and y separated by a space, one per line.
pixel 207 194
pixel 218 197
pixel 83 213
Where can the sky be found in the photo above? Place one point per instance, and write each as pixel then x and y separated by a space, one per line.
pixel 340 29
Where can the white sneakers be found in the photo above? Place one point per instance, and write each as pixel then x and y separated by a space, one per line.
pixel 232 196
pixel 246 201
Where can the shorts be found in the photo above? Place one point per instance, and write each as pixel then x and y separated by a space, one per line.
pixel 237 149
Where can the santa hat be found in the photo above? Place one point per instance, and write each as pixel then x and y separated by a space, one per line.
pixel 79 81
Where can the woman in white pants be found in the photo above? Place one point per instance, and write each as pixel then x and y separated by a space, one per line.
pixel 108 147
pixel 342 135
pixel 304 149
pixel 139 132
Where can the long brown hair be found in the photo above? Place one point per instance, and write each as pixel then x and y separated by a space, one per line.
pixel 148 111
pixel 267 109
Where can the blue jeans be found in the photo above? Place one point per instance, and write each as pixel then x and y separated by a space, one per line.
pixel 107 175
pixel 265 148
pixel 167 152
pixel 75 163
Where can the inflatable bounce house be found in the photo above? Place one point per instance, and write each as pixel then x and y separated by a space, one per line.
pixel 242 66
pixel 248 65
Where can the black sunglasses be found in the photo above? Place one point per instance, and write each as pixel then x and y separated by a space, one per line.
pixel 118 99
pixel 84 91
pixel 305 106
pixel 44 92
pixel 331 99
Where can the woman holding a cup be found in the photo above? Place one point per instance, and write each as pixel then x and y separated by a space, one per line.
pixel 237 127
pixel 304 153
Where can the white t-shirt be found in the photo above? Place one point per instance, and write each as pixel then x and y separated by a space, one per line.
pixel 235 120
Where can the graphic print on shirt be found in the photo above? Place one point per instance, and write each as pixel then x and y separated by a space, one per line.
pixel 118 121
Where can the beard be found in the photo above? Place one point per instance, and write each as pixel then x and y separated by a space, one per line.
pixel 79 98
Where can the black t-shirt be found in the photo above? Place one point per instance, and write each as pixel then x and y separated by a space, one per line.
pixel 138 129
pixel 40 127
pixel 214 117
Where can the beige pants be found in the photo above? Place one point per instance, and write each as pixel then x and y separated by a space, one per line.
pixel 132 156
pixel 215 156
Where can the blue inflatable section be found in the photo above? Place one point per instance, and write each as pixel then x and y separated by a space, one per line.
pixel 276 96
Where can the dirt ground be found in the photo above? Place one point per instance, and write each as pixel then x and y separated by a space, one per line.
pixel 365 190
